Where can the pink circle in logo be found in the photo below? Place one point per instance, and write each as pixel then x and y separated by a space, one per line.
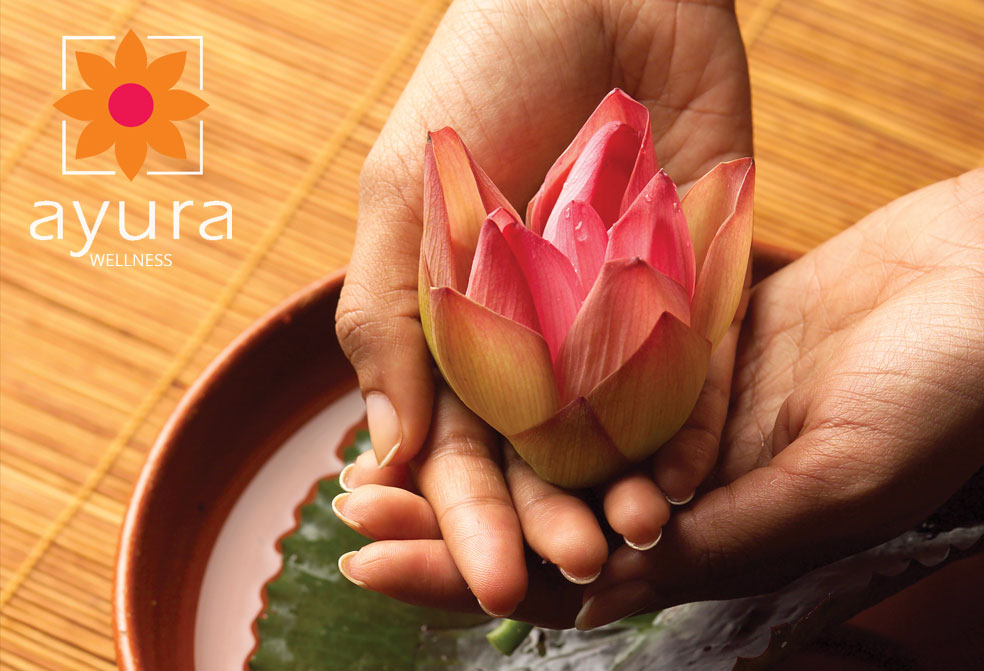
pixel 130 105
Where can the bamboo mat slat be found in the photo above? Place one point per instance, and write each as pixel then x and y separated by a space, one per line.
pixel 855 102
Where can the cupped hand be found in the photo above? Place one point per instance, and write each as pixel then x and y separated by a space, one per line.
pixel 517 79
pixel 858 409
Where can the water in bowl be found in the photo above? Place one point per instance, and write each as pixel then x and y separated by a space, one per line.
pixel 246 553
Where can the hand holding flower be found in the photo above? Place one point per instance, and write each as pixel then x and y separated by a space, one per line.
pixel 517 114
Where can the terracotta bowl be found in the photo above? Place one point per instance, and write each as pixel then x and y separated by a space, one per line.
pixel 266 384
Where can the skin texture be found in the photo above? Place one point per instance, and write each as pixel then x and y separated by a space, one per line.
pixel 517 78
pixel 859 367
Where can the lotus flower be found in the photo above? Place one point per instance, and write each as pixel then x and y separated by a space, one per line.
pixel 584 335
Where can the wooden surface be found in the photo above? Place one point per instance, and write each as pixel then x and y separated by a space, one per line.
pixel 856 102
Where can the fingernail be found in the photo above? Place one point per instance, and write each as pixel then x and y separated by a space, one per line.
pixel 614 604
pixel 492 613
pixel 337 504
pixel 343 568
pixel 384 427
pixel 642 547
pixel 343 478
pixel 579 581
pixel 681 502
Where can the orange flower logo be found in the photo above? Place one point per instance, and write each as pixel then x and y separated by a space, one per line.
pixel 130 105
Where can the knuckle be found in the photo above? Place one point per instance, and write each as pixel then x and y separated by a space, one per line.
pixel 454 515
pixel 810 482
pixel 350 322
pixel 458 443
pixel 365 317
pixel 546 505
pixel 833 473
pixel 460 467
pixel 556 528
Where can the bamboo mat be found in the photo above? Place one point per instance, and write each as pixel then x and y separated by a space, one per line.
pixel 855 101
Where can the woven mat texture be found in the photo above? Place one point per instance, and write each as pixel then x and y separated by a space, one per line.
pixel 855 101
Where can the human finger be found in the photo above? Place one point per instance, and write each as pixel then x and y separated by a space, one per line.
pixel 423 573
pixel 559 526
pixel 386 513
pixel 458 472
pixel 365 470
pixel 378 326
pixel 685 461
pixel 637 509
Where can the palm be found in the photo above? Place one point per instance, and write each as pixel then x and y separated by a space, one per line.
pixel 884 286
pixel 535 71
pixel 859 366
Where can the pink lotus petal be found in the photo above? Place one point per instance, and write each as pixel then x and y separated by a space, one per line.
pixel 655 229
pixel 424 287
pixel 580 234
pixel 497 281
pixel 556 291
pixel 501 217
pixel 617 106
pixel 459 193
pixel 437 257
pixel 617 316
pixel 498 368
pixel 722 276
pixel 712 199
pixel 601 173
pixel 492 198
pixel 570 449
pixel 647 400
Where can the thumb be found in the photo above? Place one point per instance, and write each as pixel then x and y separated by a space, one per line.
pixel 378 327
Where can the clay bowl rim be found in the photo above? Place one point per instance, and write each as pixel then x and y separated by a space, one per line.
pixel 149 478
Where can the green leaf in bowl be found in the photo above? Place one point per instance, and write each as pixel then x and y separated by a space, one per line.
pixel 316 620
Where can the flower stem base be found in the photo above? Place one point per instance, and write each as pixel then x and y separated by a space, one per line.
pixel 509 635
